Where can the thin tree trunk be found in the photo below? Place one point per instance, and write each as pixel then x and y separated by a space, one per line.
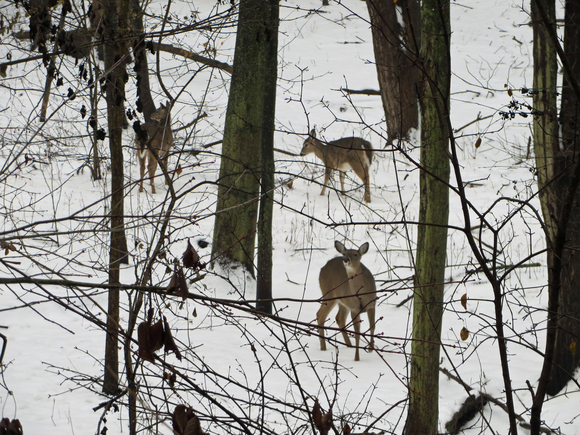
pixel 115 90
pixel 264 276
pixel 423 412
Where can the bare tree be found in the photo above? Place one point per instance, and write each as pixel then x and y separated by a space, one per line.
pixel 433 219
pixel 249 127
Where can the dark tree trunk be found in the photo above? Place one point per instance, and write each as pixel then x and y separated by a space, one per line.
pixel 423 414
pixel 566 357
pixel 241 164
pixel 145 102
pixel 396 49
pixel 115 90
pixel 264 276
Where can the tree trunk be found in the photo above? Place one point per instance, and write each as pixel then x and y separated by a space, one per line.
pixel 396 49
pixel 145 101
pixel 245 127
pixel 264 276
pixel 423 412
pixel 558 180
pixel 115 49
pixel 566 358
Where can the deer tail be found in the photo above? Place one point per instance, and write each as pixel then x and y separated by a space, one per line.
pixel 369 151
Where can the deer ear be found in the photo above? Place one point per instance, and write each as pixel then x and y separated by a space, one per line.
pixel 313 133
pixel 339 247
pixel 363 248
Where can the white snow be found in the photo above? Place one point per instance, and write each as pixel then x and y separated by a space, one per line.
pixel 52 352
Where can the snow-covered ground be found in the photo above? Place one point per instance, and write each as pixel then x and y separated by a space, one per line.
pixel 52 352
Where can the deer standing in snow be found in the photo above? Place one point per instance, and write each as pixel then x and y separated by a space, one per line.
pixel 155 139
pixel 347 282
pixel 341 154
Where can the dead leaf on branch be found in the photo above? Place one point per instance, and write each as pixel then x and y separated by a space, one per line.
pixel 323 422
pixel 170 345
pixel 8 427
pixel 464 301
pixel 7 247
pixel 190 257
pixel 151 338
pixel 178 284
pixel 185 422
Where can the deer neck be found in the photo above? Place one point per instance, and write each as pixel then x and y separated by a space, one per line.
pixel 319 150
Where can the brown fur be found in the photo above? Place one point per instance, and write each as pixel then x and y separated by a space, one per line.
pixel 342 154
pixel 347 282
pixel 155 137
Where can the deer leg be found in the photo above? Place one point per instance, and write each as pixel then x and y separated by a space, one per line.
pixel 152 167
pixel 323 312
pixel 141 168
pixel 327 172
pixel 367 186
pixel 356 323
pixel 371 314
pixel 341 322
pixel 363 174
pixel 341 176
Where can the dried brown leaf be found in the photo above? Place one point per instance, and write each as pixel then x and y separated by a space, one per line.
pixel 178 284
pixel 170 345
pixel 193 426
pixel 185 422
pixel 464 301
pixel 180 418
pixel 143 339
pixel 8 427
pixel 346 429
pixel 316 414
pixel 150 337
pixel 464 334
pixel 190 257
pixel 323 422
pixel 156 336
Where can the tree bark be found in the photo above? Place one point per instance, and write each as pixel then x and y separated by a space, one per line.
pixel 115 49
pixel 566 358
pixel 245 127
pixel 422 417
pixel 396 47
pixel 264 276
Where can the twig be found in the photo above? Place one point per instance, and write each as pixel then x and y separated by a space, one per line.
pixel 5 340
pixel 288 153
pixel 479 118
pixel 168 48
pixel 361 91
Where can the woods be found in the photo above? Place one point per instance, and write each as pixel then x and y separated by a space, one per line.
pixel 187 299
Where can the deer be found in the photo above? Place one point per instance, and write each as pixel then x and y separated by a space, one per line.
pixel 155 139
pixel 347 282
pixel 341 154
